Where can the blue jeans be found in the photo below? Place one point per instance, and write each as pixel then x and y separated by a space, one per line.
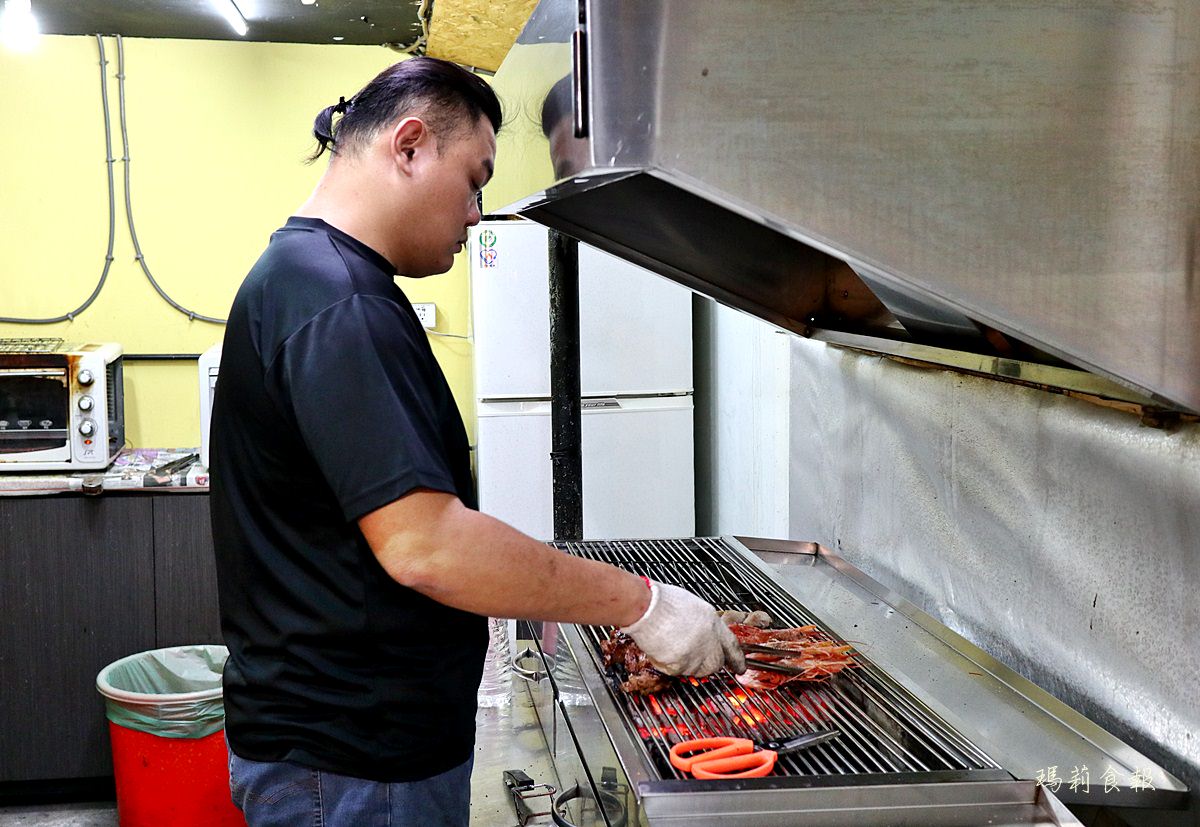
pixel 280 794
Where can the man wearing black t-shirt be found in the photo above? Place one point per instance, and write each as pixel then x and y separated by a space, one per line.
pixel 355 573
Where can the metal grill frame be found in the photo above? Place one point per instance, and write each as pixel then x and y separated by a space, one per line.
pixel 913 656
pixel 920 744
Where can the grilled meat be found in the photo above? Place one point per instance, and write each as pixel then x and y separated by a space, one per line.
pixel 620 649
pixel 816 654
pixel 646 682
pixel 641 677
pixel 768 637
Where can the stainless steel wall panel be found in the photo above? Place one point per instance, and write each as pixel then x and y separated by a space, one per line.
pixel 1061 537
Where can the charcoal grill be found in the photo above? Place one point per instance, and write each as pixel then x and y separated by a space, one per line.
pixel 884 728
pixel 933 731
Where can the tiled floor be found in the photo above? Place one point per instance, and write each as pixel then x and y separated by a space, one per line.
pixel 66 815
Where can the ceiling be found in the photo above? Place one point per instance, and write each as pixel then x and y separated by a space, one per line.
pixel 363 22
pixel 476 33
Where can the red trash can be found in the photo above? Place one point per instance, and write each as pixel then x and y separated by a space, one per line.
pixel 166 721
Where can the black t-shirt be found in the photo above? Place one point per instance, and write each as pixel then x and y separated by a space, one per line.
pixel 329 405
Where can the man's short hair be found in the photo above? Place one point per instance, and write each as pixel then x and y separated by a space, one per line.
pixel 443 94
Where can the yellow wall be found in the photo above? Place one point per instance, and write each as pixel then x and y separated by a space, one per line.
pixel 217 132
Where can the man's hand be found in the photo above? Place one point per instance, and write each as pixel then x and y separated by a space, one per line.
pixel 683 635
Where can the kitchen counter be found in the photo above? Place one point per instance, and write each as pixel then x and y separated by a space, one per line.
pixel 508 738
pixel 91 579
pixel 132 470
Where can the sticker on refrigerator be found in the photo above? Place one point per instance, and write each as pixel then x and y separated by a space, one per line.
pixel 487 249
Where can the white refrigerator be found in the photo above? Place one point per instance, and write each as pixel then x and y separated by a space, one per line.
pixel 636 382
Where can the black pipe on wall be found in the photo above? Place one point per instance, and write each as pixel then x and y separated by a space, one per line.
pixel 566 425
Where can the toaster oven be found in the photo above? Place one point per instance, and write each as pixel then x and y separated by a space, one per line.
pixel 61 405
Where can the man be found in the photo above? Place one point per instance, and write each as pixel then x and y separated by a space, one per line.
pixel 355 573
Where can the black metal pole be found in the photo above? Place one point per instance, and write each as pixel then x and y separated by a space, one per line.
pixel 566 454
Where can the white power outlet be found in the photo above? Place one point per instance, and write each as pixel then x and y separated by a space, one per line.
pixel 427 313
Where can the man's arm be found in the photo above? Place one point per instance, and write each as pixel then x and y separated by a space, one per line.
pixel 432 543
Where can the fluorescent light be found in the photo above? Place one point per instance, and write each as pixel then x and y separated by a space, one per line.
pixel 231 13
pixel 18 26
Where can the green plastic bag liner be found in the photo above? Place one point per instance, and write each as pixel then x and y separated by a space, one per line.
pixel 172 693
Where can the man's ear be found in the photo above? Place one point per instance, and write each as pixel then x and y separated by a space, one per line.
pixel 410 138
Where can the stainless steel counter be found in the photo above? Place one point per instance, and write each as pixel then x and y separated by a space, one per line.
pixel 508 738
pixel 1025 729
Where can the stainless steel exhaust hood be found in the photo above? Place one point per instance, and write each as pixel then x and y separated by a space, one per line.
pixel 1020 168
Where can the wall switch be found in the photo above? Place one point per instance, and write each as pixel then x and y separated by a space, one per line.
pixel 427 313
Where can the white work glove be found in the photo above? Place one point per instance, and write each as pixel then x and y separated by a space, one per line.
pixel 684 635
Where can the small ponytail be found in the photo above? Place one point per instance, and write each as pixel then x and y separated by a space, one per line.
pixel 323 127
pixel 323 132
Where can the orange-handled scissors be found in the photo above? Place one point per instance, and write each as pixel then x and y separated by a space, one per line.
pixel 727 757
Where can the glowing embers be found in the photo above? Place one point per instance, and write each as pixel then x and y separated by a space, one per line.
pixel 673 732
pixel 717 706
pixel 745 709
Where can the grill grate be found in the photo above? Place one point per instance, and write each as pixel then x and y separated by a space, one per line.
pixel 885 729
